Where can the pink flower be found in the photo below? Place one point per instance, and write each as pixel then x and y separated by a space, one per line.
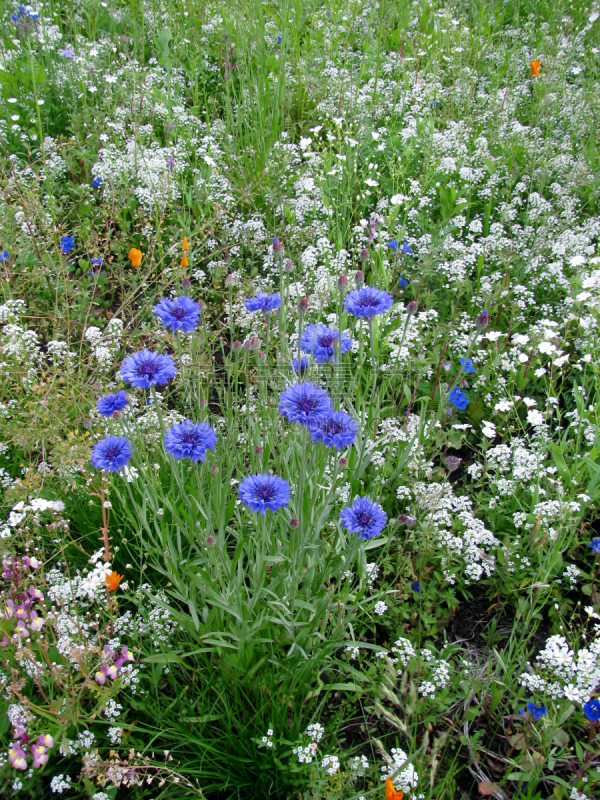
pixel 21 630
pixel 100 676
pixel 39 756
pixel 46 740
pixel 16 756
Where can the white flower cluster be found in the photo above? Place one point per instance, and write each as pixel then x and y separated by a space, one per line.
pixel 560 672
pixel 403 775
pixel 105 344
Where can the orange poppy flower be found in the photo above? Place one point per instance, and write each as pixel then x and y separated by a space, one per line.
pixel 390 792
pixel 535 69
pixel 184 262
pixel 186 245
pixel 136 257
pixel 113 580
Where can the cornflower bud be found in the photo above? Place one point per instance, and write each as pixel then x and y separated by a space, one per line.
pixel 359 278
pixel 294 523
pixel 229 281
pixel 364 255
pixel 236 346
pixel 288 266
pixel 342 283
pixel 452 463
pixel 343 462
pixel 411 308
pixel 261 355
pixel 117 414
pixel 211 541
pixel 254 343
pixel 87 424
pixel 202 402
pixel 302 304
pixel 186 283
pixel 277 247
pixel 405 519
pixel 214 469
pixel 482 320
pixel 201 305
pixel 257 450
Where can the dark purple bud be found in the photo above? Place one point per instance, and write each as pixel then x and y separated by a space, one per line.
pixel 229 281
pixel 257 450
pixel 294 523
pixel 87 424
pixel 201 305
pixel 211 541
pixel 302 304
pixel 254 343
pixel 277 247
pixel 289 266
pixel 261 355
pixel 117 414
pixel 236 346
pixel 452 463
pixel 364 255
pixel 411 308
pixel 343 462
pixel 202 402
pixel 214 469
pixel 342 282
pixel 482 320
pixel 186 283
pixel 405 519
pixel 359 278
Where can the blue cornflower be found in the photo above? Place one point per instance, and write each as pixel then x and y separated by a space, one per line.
pixel 321 342
pixel 68 53
pixel 393 244
pixel 262 492
pixel 415 586
pixel 21 10
pixel 537 712
pixel 145 369
pixel 406 249
pixel 402 282
pixel 305 403
pixel 304 362
pixel 592 709
pixel 279 38
pixel 594 546
pixel 33 14
pixel 190 440
pixel 111 454
pixel 67 243
pixel 368 301
pixel 364 517
pixel 179 314
pixel 467 366
pixel 337 430
pixel 97 261
pixel 264 302
pixel 14 17
pixel 112 402
pixel 434 103
pixel 4 256
pixel 97 182
pixel 458 399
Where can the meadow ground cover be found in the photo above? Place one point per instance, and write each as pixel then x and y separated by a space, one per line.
pixel 299 399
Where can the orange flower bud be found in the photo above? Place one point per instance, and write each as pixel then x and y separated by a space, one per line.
pixel 535 69
pixel 186 245
pixel 112 581
pixel 390 791
pixel 136 257
pixel 184 262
